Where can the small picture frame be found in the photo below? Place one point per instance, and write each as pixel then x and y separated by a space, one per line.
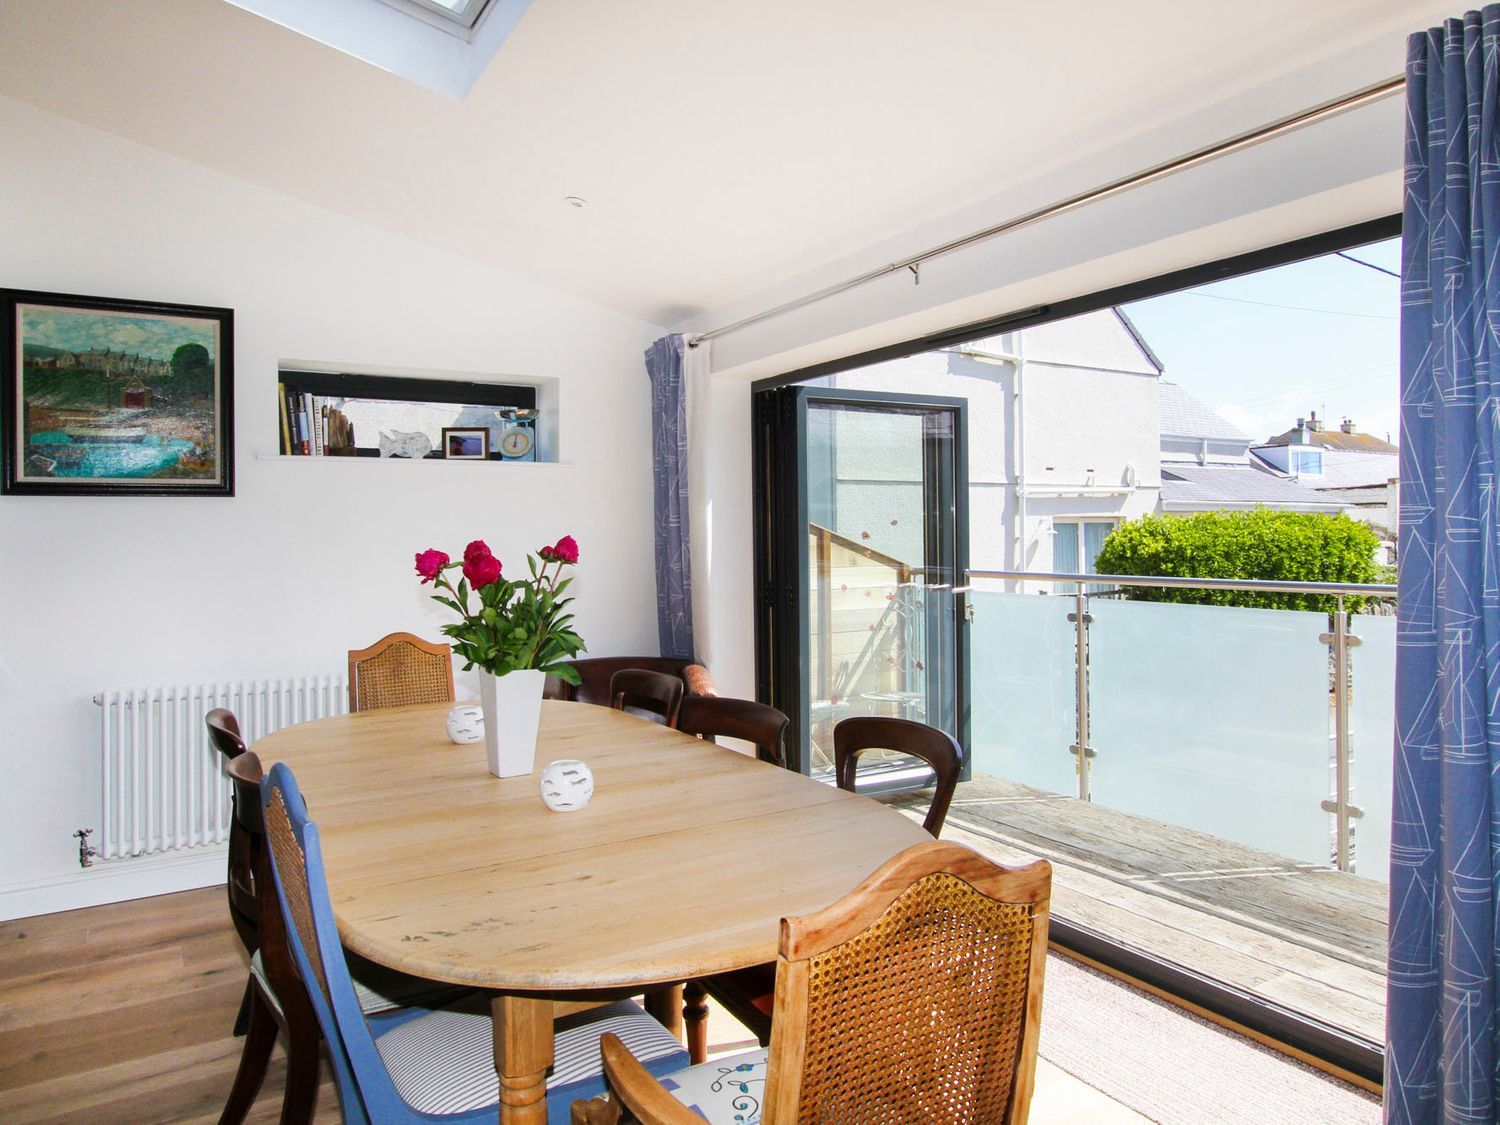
pixel 106 397
pixel 466 443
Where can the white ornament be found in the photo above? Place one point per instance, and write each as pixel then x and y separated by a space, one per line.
pixel 466 724
pixel 400 443
pixel 567 785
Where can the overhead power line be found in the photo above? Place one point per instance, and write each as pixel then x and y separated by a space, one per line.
pixel 1368 265
pixel 1290 308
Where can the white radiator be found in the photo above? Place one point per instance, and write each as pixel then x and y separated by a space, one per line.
pixel 163 785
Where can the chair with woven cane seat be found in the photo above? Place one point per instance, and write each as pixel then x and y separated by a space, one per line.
pixel 399 670
pixel 916 998
pixel 646 693
pixel 748 993
pixel 274 994
pixel 418 1065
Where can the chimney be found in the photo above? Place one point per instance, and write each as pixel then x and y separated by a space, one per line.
pixel 1313 424
pixel 1300 437
pixel 1346 426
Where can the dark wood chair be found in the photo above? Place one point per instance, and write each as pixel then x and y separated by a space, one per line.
pixel 715 717
pixel 398 670
pixel 937 748
pixel 596 672
pixel 652 693
pixel 748 994
pixel 936 961
pixel 244 911
pixel 275 998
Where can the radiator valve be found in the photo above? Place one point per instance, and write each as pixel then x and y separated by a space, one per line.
pixel 86 854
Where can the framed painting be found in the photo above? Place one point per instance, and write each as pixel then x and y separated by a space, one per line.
pixel 465 443
pixel 107 397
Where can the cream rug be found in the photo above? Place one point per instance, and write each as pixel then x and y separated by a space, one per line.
pixel 1177 1068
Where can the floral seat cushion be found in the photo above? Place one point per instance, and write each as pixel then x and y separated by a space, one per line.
pixel 725 1091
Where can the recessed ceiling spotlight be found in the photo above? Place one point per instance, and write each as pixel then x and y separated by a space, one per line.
pixel 575 201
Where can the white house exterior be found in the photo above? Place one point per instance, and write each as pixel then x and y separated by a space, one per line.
pixel 1062 440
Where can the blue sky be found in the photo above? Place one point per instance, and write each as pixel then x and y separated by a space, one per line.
pixel 1268 348
pixel 151 336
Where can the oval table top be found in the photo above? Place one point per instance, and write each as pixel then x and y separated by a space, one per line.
pixel 681 866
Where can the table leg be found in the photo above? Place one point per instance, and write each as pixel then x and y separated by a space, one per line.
pixel 664 1002
pixel 523 1055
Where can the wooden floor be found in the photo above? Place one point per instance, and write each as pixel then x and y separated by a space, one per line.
pixel 123 1013
pixel 1306 937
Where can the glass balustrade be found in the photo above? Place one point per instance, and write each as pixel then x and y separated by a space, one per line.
pixel 1216 719
pixel 1023 709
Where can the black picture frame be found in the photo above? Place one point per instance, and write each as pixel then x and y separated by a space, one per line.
pixel 133 398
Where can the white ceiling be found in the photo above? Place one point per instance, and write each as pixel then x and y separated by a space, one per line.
pixel 723 147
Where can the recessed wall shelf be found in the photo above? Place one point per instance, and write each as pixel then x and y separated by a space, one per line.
pixel 338 415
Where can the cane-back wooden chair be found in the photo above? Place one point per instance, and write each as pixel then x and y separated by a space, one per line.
pixel 654 693
pixel 918 997
pixel 418 1064
pixel 398 670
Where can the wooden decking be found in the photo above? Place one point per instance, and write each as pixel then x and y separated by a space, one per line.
pixel 1306 937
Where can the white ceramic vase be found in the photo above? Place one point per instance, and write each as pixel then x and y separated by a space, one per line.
pixel 512 711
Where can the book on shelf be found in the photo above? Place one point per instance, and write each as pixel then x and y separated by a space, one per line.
pixel 286 425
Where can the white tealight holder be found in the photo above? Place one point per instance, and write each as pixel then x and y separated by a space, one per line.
pixel 567 785
pixel 466 724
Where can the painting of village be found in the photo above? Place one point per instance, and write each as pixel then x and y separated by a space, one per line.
pixel 116 399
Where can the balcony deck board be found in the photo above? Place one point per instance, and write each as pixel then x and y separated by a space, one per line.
pixel 1306 937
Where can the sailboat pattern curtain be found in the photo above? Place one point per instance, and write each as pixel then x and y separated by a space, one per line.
pixel 1441 1056
pixel 674 579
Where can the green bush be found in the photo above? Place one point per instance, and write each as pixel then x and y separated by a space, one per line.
pixel 1260 544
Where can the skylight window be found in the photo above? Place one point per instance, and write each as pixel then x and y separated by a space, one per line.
pixel 458 16
pixel 443 45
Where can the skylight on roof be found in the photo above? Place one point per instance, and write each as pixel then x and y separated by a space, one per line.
pixel 455 15
pixel 443 45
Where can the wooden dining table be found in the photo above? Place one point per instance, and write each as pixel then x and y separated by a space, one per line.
pixel 681 866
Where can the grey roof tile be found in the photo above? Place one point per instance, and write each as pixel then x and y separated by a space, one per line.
pixel 1237 485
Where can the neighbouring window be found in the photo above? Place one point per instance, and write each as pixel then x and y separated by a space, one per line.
pixel 1067 536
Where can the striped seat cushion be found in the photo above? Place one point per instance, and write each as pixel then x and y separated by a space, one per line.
pixel 724 1091
pixel 382 990
pixel 444 1061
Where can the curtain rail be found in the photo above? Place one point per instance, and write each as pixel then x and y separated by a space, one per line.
pixel 1280 127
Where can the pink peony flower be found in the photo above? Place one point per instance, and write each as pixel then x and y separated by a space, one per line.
pixel 481 570
pixel 430 564
pixel 476 550
pixel 564 550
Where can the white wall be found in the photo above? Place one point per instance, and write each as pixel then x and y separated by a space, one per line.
pixel 1090 411
pixel 309 558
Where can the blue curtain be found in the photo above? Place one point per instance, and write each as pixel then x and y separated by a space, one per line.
pixel 1441 1047
pixel 674 580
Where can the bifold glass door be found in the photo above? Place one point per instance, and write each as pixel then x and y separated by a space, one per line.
pixel 870 548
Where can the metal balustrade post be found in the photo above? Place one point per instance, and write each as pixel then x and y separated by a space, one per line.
pixel 1346 813
pixel 1081 748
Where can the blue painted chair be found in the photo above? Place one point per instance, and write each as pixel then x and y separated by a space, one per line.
pixel 418 1064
